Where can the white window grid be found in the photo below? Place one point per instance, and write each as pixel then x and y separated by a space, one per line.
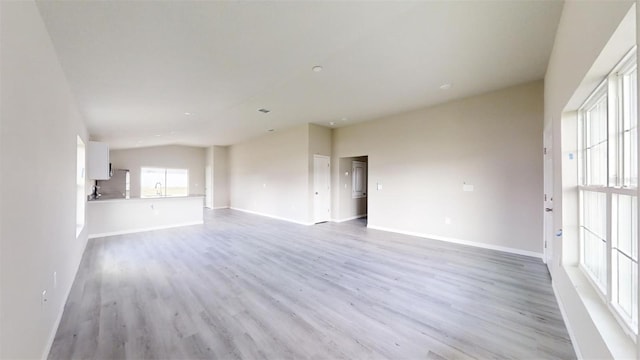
pixel 602 251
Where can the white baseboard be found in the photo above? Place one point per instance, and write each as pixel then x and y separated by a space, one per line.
pixel 460 241
pixel 272 216
pixel 349 218
pixel 574 343
pixel 56 325
pixel 52 336
pixel 93 236
pixel 220 207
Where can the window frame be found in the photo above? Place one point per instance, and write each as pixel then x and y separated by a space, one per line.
pixel 164 192
pixel 616 185
pixel 81 180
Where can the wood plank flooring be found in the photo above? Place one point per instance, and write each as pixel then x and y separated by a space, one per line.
pixel 245 286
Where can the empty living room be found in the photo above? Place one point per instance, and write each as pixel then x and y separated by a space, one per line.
pixel 319 179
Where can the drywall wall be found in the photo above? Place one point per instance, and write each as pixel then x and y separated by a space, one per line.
pixel 171 156
pixel 208 177
pixel 583 33
pixel 345 206
pixel 423 158
pixel 319 144
pixel 40 122
pixel 220 177
pixel 269 175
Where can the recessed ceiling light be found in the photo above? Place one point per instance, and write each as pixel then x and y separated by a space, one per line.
pixel 264 111
pixel 317 68
pixel 344 119
pixel 271 130
pixel 332 123
pixel 187 113
pixel 446 86
pixel 158 135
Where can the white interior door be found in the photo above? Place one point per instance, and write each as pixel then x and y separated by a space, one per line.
pixel 321 188
pixel 208 187
pixel 548 200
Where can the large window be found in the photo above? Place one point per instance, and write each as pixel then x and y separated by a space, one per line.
pixel 80 184
pixel 608 180
pixel 159 182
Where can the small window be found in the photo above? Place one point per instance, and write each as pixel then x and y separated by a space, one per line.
pixel 359 179
pixel 80 185
pixel 595 140
pixel 628 141
pixel 160 182
pixel 625 256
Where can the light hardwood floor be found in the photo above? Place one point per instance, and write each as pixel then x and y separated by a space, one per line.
pixel 245 286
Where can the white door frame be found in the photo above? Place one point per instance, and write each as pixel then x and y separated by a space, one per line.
pixel 548 233
pixel 317 215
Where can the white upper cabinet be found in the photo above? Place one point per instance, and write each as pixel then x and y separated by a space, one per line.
pixel 98 161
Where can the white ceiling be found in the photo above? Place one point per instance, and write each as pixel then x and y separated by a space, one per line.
pixel 137 67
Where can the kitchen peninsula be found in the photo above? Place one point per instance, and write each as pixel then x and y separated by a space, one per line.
pixel 121 216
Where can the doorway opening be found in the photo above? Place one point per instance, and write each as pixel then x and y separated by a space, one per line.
pixel 354 189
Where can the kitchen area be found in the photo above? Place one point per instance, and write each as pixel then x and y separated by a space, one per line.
pixel 143 189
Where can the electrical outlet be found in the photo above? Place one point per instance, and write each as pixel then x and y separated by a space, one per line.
pixel 55 279
pixel 447 220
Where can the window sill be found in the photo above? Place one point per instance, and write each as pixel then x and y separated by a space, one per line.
pixel 618 342
pixel 79 229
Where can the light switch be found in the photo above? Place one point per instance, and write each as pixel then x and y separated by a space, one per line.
pixel 467 187
pixel 379 186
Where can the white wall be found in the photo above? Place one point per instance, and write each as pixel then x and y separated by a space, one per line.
pixel 583 33
pixel 171 156
pixel 220 176
pixel 40 122
pixel 422 158
pixel 208 186
pixel 269 175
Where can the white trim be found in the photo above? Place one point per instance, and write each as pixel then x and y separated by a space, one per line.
pixel 271 216
pixel 52 336
pixel 219 207
pixel 574 341
pixel 460 241
pixel 54 331
pixel 349 218
pixel 122 232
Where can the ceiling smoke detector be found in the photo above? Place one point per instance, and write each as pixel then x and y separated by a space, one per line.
pixel 317 68
pixel 264 111
pixel 445 86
